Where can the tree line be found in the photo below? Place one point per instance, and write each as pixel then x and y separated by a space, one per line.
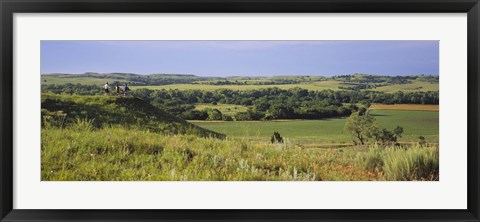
pixel 264 104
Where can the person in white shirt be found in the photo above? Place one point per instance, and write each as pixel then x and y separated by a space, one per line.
pixel 106 88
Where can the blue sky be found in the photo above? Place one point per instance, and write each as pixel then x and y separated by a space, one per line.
pixel 242 58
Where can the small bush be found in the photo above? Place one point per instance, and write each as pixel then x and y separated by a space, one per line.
pixel 56 119
pixel 276 138
pixel 83 124
pixel 421 141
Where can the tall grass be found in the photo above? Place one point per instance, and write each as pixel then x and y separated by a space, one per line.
pixel 84 153
pixel 411 163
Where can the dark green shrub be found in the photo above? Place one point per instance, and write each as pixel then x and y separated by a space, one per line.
pixel 276 138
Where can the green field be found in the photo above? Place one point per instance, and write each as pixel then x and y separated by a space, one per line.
pixel 330 131
pixel 228 109
pixel 417 86
pixel 321 85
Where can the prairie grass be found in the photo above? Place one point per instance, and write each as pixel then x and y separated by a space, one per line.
pixel 411 163
pixel 81 152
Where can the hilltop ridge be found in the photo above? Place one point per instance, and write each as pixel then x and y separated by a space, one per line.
pixel 356 81
pixel 111 110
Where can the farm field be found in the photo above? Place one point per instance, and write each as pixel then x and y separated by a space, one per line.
pixel 418 107
pixel 321 85
pixel 418 86
pixel 329 131
pixel 228 109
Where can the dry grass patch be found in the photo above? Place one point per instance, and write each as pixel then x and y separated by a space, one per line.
pixel 417 107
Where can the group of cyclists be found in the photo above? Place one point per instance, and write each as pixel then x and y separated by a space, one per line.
pixel 117 89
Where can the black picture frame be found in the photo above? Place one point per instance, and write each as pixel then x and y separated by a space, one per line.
pixel 9 7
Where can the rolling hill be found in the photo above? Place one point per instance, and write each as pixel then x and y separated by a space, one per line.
pixel 129 78
pixel 359 82
pixel 110 111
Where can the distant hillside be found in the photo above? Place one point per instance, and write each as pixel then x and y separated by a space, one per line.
pixel 384 83
pixel 111 110
pixel 129 78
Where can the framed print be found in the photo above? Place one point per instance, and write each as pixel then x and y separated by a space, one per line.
pixel 230 110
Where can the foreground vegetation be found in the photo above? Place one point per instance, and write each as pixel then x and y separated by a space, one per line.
pixel 81 152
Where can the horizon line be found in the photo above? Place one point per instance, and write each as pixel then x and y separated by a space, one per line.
pixel 226 76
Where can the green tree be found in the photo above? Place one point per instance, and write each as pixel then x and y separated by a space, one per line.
pixel 398 131
pixel 366 104
pixel 422 141
pixel 262 105
pixel 385 136
pixel 280 111
pixel 214 114
pixel 242 116
pixel 226 118
pixel 361 127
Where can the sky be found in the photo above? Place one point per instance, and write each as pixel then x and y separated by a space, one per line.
pixel 241 58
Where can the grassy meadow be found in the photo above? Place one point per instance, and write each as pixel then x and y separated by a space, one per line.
pixel 83 153
pixel 229 109
pixel 321 85
pixel 329 132
pixel 314 85
pixel 417 86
